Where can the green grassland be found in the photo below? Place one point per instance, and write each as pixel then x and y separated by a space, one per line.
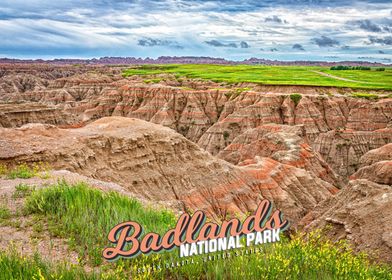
pixel 83 216
pixel 273 75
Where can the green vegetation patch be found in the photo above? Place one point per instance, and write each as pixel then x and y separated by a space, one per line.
pixel 4 213
pixel 364 95
pixel 22 190
pixel 14 266
pixel 296 98
pixel 272 75
pixel 85 215
pixel 25 171
pixel 343 67
pixel 152 81
pixel 234 93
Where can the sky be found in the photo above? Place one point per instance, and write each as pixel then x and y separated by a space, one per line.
pixel 274 29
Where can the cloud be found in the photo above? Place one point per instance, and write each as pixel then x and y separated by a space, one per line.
pixel 226 28
pixel 367 25
pixel 150 42
pixel 325 41
pixel 298 47
pixel 275 19
pixel 387 29
pixel 382 41
pixel 216 43
pixel 244 45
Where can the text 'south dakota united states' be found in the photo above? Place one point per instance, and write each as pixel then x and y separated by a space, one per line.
pixel 194 236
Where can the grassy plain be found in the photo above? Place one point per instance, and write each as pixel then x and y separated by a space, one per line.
pixel 273 75
pixel 83 216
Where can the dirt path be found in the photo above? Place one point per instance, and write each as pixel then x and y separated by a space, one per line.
pixel 338 78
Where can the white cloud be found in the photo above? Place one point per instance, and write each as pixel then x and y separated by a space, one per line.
pixel 117 27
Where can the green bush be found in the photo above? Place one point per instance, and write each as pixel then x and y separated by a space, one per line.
pixel 4 213
pixel 22 171
pixel 296 97
pixel 25 171
pixel 22 190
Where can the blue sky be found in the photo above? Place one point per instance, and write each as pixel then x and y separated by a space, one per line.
pixel 284 30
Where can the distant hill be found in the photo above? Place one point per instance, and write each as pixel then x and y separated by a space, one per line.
pixel 184 60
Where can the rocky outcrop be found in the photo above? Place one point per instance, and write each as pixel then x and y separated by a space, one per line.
pixel 11 115
pixel 343 149
pixel 376 166
pixel 283 143
pixel 379 172
pixel 158 164
pixel 376 155
pixel 362 213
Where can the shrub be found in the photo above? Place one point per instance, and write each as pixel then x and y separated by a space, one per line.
pixel 4 213
pixel 25 171
pixel 3 170
pixel 296 97
pixel 343 67
pixel 226 135
pixel 22 190
pixel 22 171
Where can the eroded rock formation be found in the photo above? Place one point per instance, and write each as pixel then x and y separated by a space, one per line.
pixel 362 213
pixel 376 166
pixel 339 128
pixel 160 165
pixel 193 144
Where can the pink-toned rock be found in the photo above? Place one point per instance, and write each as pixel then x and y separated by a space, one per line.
pixel 158 164
pixel 283 143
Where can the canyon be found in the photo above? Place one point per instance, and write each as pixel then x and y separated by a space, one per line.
pixel 191 144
